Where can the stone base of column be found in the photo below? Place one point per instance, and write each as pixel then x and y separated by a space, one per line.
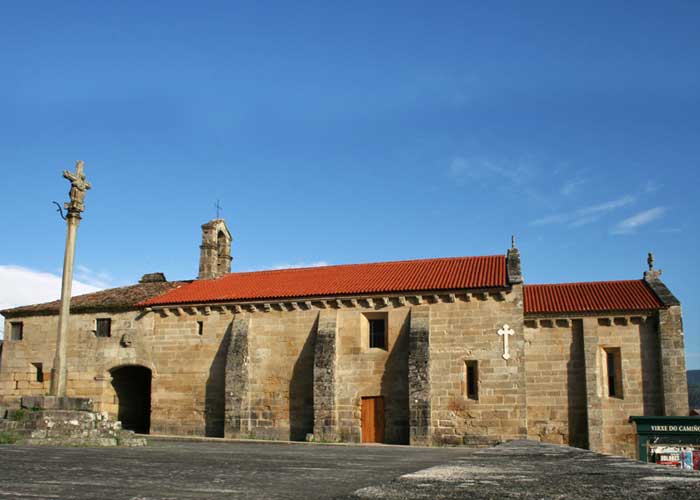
pixel 50 420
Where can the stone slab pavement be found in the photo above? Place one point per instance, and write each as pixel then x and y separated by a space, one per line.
pixel 175 470
pixel 527 470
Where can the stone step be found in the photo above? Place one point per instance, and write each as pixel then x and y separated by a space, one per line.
pixel 66 428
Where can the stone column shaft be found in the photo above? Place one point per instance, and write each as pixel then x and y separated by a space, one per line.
pixel 59 373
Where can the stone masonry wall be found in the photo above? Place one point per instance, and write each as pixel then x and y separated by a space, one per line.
pixel 671 344
pixel 237 379
pixel 419 376
pixel 556 382
pixel 609 430
pixel 187 369
pixel 325 411
pixel 467 331
pixel 367 372
pixel 17 374
pixel 281 373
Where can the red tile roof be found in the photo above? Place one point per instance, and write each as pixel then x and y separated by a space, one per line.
pixel 632 295
pixel 330 281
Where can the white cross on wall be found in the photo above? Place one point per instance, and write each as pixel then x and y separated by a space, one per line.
pixel 506 332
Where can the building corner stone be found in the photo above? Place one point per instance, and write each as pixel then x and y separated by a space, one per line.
pixel 419 377
pixel 237 406
pixel 325 354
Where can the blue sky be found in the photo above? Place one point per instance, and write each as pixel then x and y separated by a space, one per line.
pixel 336 132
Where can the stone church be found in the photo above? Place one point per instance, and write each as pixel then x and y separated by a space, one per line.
pixel 423 352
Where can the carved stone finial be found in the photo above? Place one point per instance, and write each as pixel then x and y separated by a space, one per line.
pixel 650 261
pixel 512 241
pixel 78 187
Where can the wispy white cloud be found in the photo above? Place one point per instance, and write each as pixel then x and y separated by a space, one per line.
pixel 571 186
pixel 99 279
pixel 585 215
pixel 652 186
pixel 631 224
pixel 607 206
pixel 518 172
pixel 23 286
pixel 296 265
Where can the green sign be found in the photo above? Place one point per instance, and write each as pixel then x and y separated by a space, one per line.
pixel 665 430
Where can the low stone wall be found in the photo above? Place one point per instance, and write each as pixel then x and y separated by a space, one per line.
pixel 64 422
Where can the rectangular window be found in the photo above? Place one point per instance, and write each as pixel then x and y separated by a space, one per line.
pixel 613 362
pixel 377 333
pixel 39 367
pixel 103 327
pixel 200 327
pixel 472 379
pixel 16 330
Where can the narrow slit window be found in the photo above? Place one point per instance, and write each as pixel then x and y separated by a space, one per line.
pixel 472 379
pixel 200 328
pixel 16 330
pixel 613 361
pixel 39 367
pixel 377 333
pixel 103 327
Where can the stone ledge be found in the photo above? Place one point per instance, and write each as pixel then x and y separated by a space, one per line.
pixel 56 403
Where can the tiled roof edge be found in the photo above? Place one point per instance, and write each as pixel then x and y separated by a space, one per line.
pixel 653 281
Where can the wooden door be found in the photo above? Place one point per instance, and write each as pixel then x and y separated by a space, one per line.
pixel 373 419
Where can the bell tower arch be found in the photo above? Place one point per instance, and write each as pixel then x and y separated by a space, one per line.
pixel 215 250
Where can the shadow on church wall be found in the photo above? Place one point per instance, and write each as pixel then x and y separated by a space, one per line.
pixel 650 358
pixel 301 390
pixel 394 388
pixel 576 388
pixel 214 399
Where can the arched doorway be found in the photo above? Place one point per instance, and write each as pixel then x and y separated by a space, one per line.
pixel 132 384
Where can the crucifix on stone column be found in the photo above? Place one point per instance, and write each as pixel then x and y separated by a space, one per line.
pixel 506 332
pixel 79 186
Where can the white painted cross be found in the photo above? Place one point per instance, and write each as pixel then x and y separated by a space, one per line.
pixel 505 332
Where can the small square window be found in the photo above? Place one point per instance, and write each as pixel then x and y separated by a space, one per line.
pixel 103 327
pixel 471 382
pixel 613 368
pixel 200 328
pixel 16 331
pixel 377 333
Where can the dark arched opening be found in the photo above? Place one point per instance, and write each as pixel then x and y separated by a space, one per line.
pixel 133 387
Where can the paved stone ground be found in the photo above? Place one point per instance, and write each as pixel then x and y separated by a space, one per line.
pixel 167 470
pixel 528 470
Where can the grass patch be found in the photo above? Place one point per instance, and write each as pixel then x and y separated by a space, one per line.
pixel 18 415
pixel 7 438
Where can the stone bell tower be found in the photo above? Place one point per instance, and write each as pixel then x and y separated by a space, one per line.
pixel 215 257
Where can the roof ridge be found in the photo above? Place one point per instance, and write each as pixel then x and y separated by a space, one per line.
pixel 306 268
pixel 582 282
